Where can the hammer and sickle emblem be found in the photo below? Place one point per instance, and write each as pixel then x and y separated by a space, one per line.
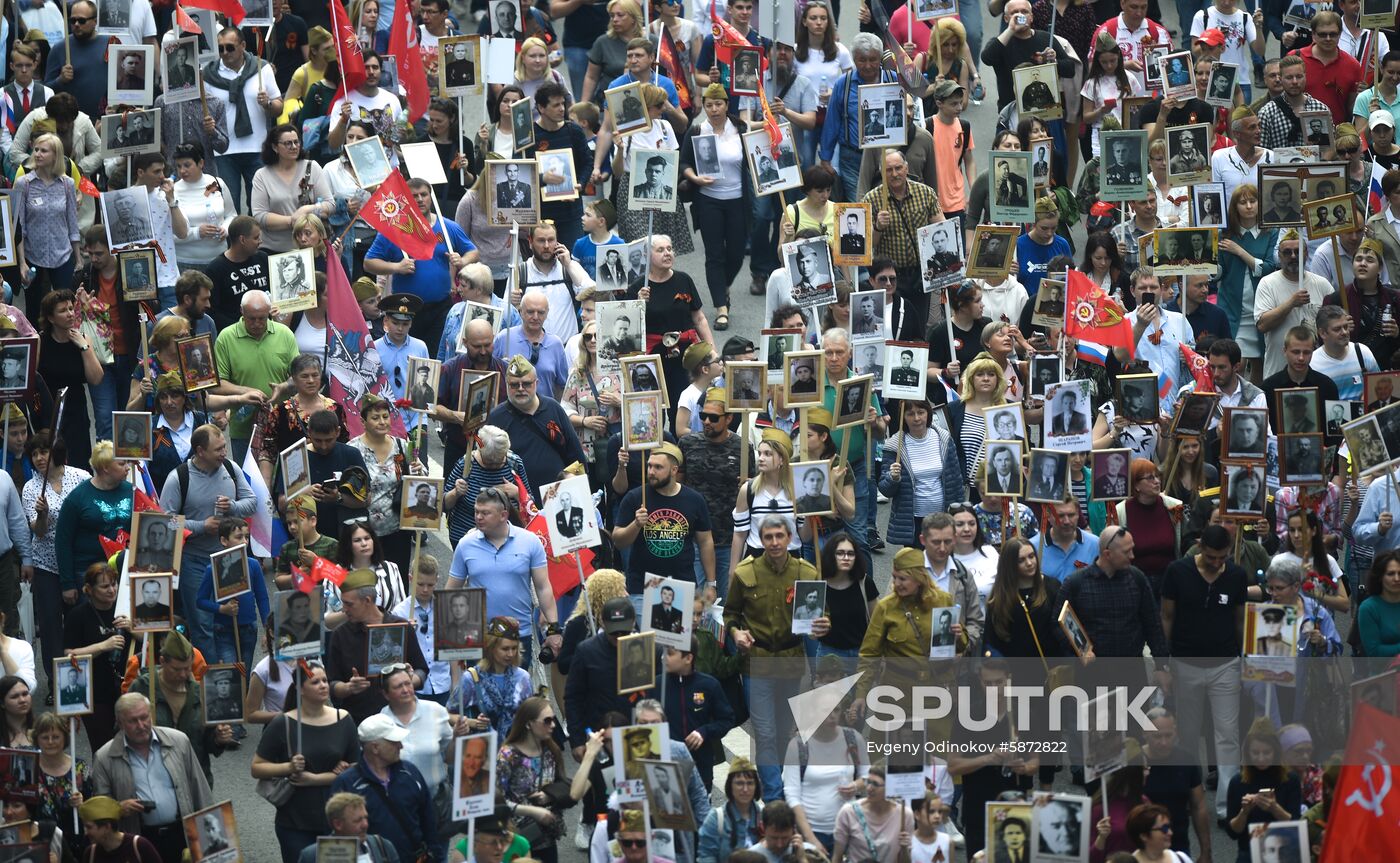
pixel 1375 803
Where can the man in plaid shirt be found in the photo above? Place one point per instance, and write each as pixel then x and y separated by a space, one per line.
pixel 1279 125
pixel 1116 602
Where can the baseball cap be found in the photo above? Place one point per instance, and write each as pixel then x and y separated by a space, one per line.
pixel 1381 118
pixel 618 615
pixel 736 345
pixel 381 727
pixel 1212 36
pixel 945 88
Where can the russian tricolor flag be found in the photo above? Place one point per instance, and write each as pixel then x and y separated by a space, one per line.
pixel 266 533
pixel 1092 352
pixel 1375 199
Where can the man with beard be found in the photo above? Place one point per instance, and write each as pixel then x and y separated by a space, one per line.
pixel 552 443
pixel 673 517
pixel 1285 299
pixel 478 357
pixel 1279 125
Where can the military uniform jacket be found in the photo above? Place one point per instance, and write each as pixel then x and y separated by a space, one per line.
pixel 760 600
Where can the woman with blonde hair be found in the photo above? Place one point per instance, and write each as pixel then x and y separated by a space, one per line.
pixel 492 241
pixel 947 59
pixel 1173 202
pixel 719 206
pixel 364 17
pixel 607 59
pixel 983 386
pixel 45 206
pixel 902 622
pixel 593 409
pixel 96 508
pixel 532 69
pixel 768 493
pixel 320 51
pixel 634 224
pixel 497 685
pixel 1247 254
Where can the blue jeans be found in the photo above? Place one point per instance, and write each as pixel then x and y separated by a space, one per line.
pixel 721 571
pixel 237 170
pixel 225 647
pixel 291 842
pixel 1185 11
pixel 45 279
pixel 848 169
pixel 576 61
pixel 865 502
pixel 763 238
pixel 970 14
pixel 199 624
pixel 111 394
pixel 766 697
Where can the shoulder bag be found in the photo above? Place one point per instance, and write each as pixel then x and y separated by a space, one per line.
pixel 278 791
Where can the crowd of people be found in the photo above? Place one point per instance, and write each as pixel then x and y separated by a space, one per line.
pixel 1228 497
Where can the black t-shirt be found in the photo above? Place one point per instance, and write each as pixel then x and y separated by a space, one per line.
pixel 340 459
pixel 231 281
pixel 284 49
pixel 569 136
pixel 968 342
pixel 1205 613
pixel 1194 111
pixel 666 545
pixel 849 613
pixel 586 24
pixel 671 303
pixel 323 746
pixel 84 625
pixel 635 466
pixel 1326 390
pixel 1169 784
pixel 985 783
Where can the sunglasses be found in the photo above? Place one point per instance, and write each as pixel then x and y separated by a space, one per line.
pixel 548 720
pixel 75 19
pixel 712 418
pixel 1350 151
pixel 632 843
pixel 394 668
pixel 223 49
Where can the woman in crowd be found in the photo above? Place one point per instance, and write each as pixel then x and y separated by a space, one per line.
pixel 592 401
pixel 284 423
pixel 287 187
pixel 1150 829
pixel 921 473
pixel 1247 255
pixel 475 283
pixel 902 622
pixel 1023 609
pixel 821 59
pixel 946 59
pixel 431 727
pixel 325 742
pixel 1379 615
pixel 1106 85
pixel 969 320
pixel 45 208
pixel 733 825
pixel 320 52
pixel 94 628
pixel 971 549
pixel 983 386
pixel 580 627
pixel 493 464
pixel 1173 202
pixel 1305 544
pixel 607 59
pixel 43 501
pixel 59 793
pixel 267 685
pixel 532 70
pixel 814 209
pixel 386 459
pixel 633 224
pixel 1348 145
pixel 1001 341
pixel 172 426
pixel 874 821
pixel 673 305
pixel 1264 791
pixel 496 138
pixel 768 493
pixel 1192 473
pixel 719 205
pixel 364 15
pixel 820 447
pixel 99 507
pixel 1297 744
pixel 1153 518
pixel 836 314
pixel 1103 263
pixel 850 596
pixel 688 35
pixel 347 197
pixel 497 686
pixel 530 760
pixel 361 548
pixel 837 764
pixel 18 709
pixel 1123 795
pixel 492 241
pixel 66 359
pixel 446 135
pixel 208 206
pixel 163 358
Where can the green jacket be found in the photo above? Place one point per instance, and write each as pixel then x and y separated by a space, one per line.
pixel 760 600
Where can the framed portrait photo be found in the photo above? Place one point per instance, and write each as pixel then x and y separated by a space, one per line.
pixel 804 376
pixel 1244 433
pixel 1003 818
pixel 559 163
pixel 459 58
pixel 1110 469
pixel 1300 459
pixel 157 541
pixel 459 623
pixel 291 278
pixel 1132 111
pixel 1137 398
pixel 654 178
pixel 808 265
pixel 642 420
pixel 1374 14
pixel 928 10
pixel 744 385
pixel 1185 251
pixel 1194 412
pixel 19 361
pixel 522 118
pixel 131 75
pixel 136 270
pixel 772 344
pixel 131 433
pixel 197 367
pixel 627 109
pixel 1365 444
pixel 668 609
pixel 126 213
pixel 1040 163
pixel 296 469
pixel 1123 168
pixel 1074 630
pixel 474 776
pixel 1044 371
pixel 744 71
pixel 1208 205
pixel 1070 415
pixel 1038 91
pixel 853 400
pixel 296 621
pixel 1338 413
pixel 665 788
pixel 992 249
pixel 150 603
pixel 180 76
pixel 1049 309
pixel 867 316
pixel 230 569
pixel 223 695
pixel 1220 86
pixel 811 483
pixel 906 370
pixel 421 504
pixel 1152 55
pixel 478 395
pixel 72 678
pixel 131 133
pixel 1001 471
pixel 387 644
pixel 1049 476
pixel 1005 422
pixel 854 240
pixel 882 115
pixel 642 373
pixel 636 665
pixel 1177 75
pixel 1317 128
pixel 423 378
pixel 1299 410
pixel 515 195
pixel 1010 189
pixel 569 515
pixel 369 161
pixel 1242 490
pixel 941 255
pixel 7 233
pixel 1060 828
pixel 772 171
pixel 1280 197
pixel 1329 217
pixel 1188 154
pixel 706 155
pixel 212 834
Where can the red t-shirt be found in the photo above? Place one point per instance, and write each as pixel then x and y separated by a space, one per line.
pixel 1334 84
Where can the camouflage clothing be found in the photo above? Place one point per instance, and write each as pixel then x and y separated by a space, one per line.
pixel 713 470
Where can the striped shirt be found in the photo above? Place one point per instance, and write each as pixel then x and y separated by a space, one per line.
pixel 462 517
pixel 763 503
pixel 974 434
pixel 923 458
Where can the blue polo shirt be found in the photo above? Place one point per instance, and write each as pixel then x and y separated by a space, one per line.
pixel 656 78
pixel 431 280
pixel 394 359
pixel 1057 563
pixel 504 571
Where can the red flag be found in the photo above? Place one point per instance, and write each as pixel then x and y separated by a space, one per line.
pixel 347 49
pixel 351 358
pixel 1200 370
pixel 770 123
pixel 187 24
pixel 563 571
pixel 142 502
pixel 392 212
pixel 87 187
pixel 413 77
pixel 1092 314
pixel 676 64
pixel 301 580
pixel 230 9
pixel 111 546
pixel 727 39
pixel 327 570
pixel 1362 823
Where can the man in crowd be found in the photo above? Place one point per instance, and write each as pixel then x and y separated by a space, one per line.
pixel 193 293
pixel 1297 372
pixel 241 268
pixel 1020 42
pixel 1205 317
pixel 532 339
pixel 552 443
pixel 256 354
pixel 79 64
pixel 180 702
pixel 397 799
pixel 843 119
pixel 1069 547
pixel 1331 73
pixel 1232 166
pixel 1279 125
pixel 551 271
pixel 671 530
pixel 1344 361
pixel 1159 335
pixel 1175 781
pixel 1128 234
pixel 1284 299
pixel 901 206
pixel 712 455
pixel 1131 31
pixel 948 575
pixel 253 99
pixel 396 347
pixel 350 686
pixel 479 340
